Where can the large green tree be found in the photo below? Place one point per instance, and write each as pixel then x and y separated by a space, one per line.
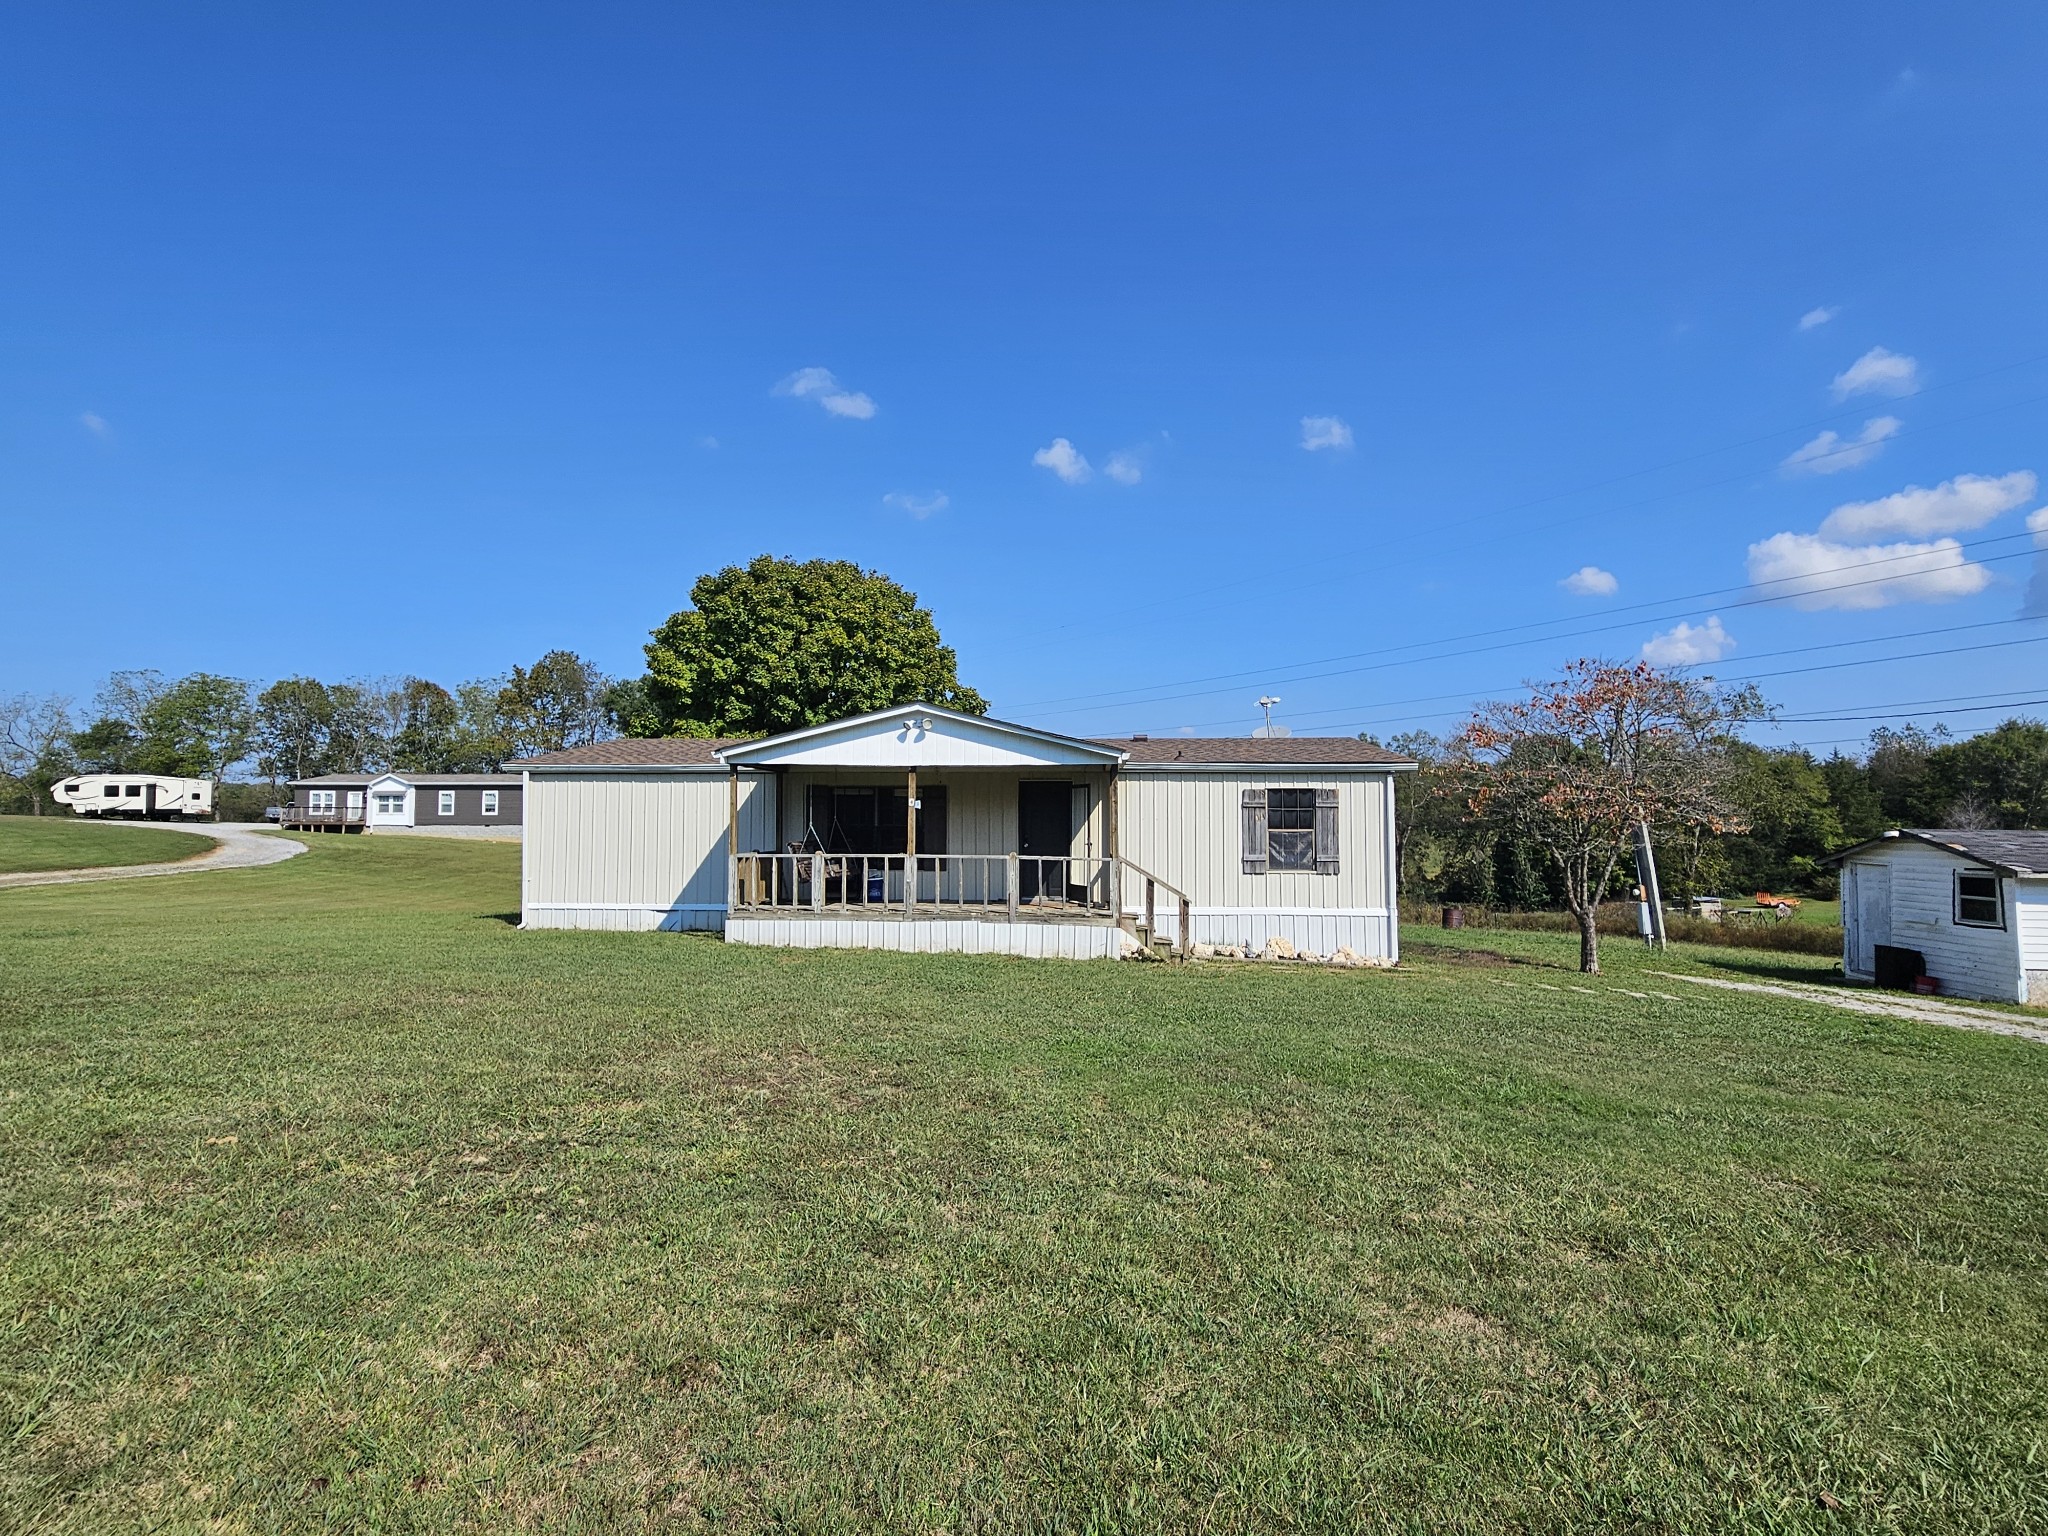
pixel 778 644
pixel 557 702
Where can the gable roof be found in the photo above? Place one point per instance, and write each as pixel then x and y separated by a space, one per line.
pixel 923 735
pixel 1260 751
pixel 431 780
pixel 2023 854
pixel 703 753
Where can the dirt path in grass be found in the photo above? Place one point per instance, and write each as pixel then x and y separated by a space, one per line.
pixel 1922 1010
pixel 240 845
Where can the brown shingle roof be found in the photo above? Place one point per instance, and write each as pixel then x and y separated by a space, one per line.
pixel 634 752
pixel 1280 750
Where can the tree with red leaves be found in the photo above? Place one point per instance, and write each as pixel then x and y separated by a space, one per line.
pixel 1574 767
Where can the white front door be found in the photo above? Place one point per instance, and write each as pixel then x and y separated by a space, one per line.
pixel 1867 912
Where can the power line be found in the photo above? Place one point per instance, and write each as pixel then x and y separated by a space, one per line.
pixel 1637 474
pixel 1378 666
pixel 1795 650
pixel 1832 666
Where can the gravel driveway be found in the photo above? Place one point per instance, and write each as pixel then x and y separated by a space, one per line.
pixel 241 845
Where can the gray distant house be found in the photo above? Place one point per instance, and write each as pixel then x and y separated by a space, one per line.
pixel 359 802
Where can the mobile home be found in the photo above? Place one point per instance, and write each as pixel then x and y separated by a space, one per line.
pixel 919 828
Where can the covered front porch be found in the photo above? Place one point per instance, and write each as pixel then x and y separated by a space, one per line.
pixel 933 831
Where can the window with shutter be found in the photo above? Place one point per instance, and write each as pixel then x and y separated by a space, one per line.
pixel 1291 829
pixel 1326 832
pixel 1254 838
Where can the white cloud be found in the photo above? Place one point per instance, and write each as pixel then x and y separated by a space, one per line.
pixel 1319 432
pixel 1683 645
pixel 1811 572
pixel 1064 460
pixel 2037 524
pixel 1954 506
pixel 1831 453
pixel 1591 581
pixel 1878 372
pixel 919 507
pixel 1818 316
pixel 96 425
pixel 707 442
pixel 819 384
pixel 1124 468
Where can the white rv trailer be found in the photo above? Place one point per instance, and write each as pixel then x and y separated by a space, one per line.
pixel 136 796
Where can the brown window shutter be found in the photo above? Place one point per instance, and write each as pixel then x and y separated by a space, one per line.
pixel 1326 831
pixel 1254 831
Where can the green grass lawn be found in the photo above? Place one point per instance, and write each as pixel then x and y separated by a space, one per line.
pixel 64 842
pixel 333 1202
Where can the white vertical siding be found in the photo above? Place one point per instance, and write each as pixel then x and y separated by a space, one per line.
pixel 1186 827
pixel 2030 922
pixel 1967 961
pixel 633 850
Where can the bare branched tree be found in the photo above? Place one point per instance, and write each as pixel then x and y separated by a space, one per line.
pixel 1576 766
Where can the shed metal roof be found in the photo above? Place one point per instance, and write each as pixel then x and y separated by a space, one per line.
pixel 2024 854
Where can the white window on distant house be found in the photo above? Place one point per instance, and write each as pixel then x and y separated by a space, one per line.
pixel 490 802
pixel 320 800
pixel 1980 900
pixel 390 803
pixel 447 802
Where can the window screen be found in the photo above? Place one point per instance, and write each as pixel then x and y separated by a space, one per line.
pixel 859 819
pixel 1978 901
pixel 1291 828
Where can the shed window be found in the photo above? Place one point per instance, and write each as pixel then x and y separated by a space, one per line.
pixel 1980 900
pixel 447 802
pixel 1289 829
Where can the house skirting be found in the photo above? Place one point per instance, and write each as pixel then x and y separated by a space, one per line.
pixel 624 917
pixel 957 936
pixel 1368 931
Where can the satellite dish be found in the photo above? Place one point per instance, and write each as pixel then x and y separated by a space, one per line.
pixel 1272 731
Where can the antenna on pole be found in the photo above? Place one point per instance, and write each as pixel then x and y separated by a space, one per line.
pixel 1266 702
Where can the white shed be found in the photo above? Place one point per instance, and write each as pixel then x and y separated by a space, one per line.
pixel 1973 905
pixel 919 828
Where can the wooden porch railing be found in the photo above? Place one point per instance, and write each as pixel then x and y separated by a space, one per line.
pixel 1011 885
pixel 321 816
pixel 1184 932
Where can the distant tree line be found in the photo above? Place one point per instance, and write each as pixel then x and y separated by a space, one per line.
pixel 1792 809
pixel 768 646
pixel 207 726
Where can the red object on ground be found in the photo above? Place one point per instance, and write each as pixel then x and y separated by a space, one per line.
pixel 1926 986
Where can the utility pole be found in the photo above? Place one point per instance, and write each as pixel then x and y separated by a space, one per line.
pixel 1652 900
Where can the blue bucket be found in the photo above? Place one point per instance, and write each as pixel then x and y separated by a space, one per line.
pixel 878 886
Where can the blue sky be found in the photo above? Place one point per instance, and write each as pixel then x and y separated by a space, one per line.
pixel 360 340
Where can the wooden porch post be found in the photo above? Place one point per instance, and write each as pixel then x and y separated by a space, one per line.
pixel 732 837
pixel 1113 877
pixel 910 845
